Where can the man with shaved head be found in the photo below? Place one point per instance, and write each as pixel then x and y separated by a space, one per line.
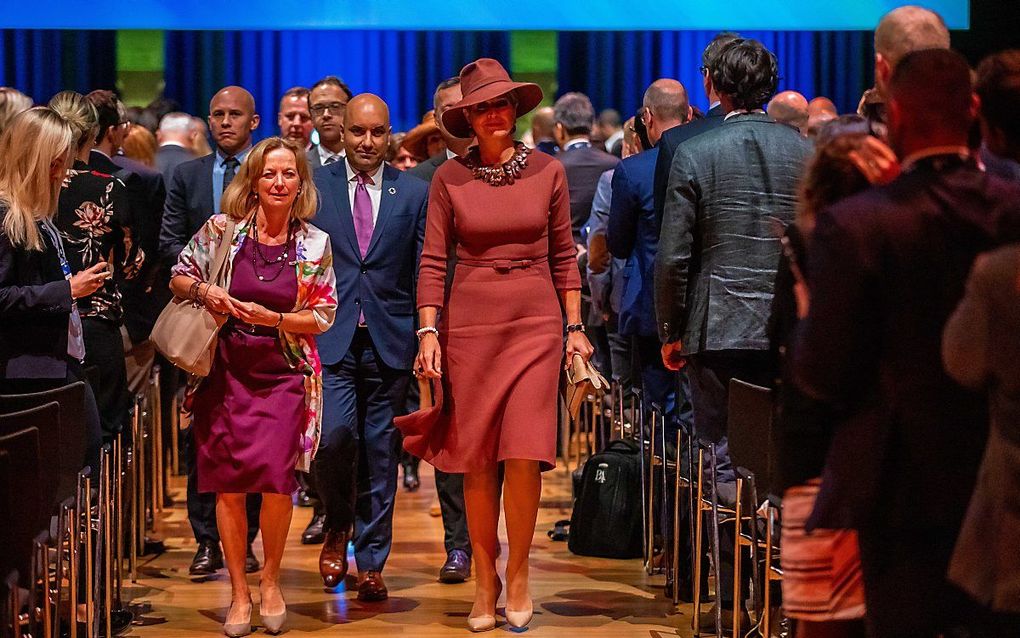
pixel 192 197
pixel 542 125
pixel 820 111
pixel 375 217
pixel 790 107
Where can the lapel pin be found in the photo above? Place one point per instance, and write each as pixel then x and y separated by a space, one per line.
pixel 393 191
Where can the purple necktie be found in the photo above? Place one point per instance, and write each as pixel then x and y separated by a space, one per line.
pixel 363 224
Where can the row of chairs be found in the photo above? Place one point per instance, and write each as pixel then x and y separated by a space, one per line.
pixel 680 484
pixel 69 530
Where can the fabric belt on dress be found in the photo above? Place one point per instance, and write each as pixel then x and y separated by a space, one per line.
pixel 250 329
pixel 502 265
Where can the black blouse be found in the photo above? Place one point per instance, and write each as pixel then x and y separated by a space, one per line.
pixel 94 218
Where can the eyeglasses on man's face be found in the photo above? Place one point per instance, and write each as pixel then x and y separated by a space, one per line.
pixel 335 108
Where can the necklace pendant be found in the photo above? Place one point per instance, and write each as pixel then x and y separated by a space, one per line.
pixel 261 278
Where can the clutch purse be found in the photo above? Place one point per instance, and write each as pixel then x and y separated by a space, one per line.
pixel 583 379
pixel 185 332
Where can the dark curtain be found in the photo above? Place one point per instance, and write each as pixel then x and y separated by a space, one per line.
pixel 42 62
pixel 403 67
pixel 614 67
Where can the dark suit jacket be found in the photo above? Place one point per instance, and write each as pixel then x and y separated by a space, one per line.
pixel 731 193
pixel 634 232
pixel 584 166
pixel 169 157
pixel 887 267
pixel 670 140
pixel 427 169
pixel 144 296
pixel 35 305
pixel 382 284
pixel 189 203
pixel 313 157
pixel 549 147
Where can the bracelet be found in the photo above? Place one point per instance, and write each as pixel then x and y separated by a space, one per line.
pixel 575 327
pixel 280 322
pixel 421 332
pixel 208 287
pixel 192 291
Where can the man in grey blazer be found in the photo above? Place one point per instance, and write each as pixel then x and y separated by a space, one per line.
pixel 327 101
pixel 731 192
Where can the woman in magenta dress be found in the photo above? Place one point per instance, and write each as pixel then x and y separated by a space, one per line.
pixel 498 344
pixel 256 415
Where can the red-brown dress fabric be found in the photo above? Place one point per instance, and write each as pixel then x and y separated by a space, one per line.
pixel 501 323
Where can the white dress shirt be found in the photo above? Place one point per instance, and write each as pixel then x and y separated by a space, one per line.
pixel 374 189
pixel 325 154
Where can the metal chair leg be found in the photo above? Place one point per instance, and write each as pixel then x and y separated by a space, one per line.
pixel 698 533
pixel 737 596
pixel 676 520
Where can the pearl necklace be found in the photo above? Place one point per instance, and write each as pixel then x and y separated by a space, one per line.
pixel 267 262
pixel 500 174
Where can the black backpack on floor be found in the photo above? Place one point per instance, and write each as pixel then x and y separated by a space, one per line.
pixel 606 521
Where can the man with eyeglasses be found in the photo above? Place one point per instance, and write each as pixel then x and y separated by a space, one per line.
pixel 193 196
pixel 327 101
pixel 673 137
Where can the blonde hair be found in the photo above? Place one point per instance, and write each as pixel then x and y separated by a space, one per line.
pixel 241 197
pixel 79 113
pixel 12 102
pixel 29 146
pixel 140 144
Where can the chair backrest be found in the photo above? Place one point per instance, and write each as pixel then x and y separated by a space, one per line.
pixel 46 418
pixel 23 518
pixel 71 429
pixel 749 429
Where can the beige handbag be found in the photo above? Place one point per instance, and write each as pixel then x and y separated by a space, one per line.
pixel 185 332
pixel 583 379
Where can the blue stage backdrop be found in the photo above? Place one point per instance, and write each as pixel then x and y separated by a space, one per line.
pixel 404 66
pixel 614 68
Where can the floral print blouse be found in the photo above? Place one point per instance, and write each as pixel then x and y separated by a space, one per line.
pixel 316 292
pixel 94 219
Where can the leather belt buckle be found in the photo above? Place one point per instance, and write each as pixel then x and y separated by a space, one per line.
pixel 506 265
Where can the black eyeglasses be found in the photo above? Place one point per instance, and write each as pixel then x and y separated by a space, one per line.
pixel 333 107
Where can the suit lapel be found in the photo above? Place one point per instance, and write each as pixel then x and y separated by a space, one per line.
pixel 342 202
pixel 386 200
pixel 207 181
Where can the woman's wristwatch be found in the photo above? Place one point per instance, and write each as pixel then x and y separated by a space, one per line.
pixel 421 332
pixel 575 327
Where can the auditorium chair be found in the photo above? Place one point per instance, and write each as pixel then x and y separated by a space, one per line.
pixel 21 500
pixel 707 509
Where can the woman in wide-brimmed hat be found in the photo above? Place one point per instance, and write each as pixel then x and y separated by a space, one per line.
pixel 498 346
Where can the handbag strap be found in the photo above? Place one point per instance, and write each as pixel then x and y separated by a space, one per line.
pixel 222 250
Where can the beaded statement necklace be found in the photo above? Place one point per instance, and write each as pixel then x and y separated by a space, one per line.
pixel 256 254
pixel 500 174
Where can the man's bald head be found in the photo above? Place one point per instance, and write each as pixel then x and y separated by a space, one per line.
pixel 790 107
pixel 902 31
pixel 665 105
pixel 821 105
pixel 232 119
pixel 366 131
pixel 542 123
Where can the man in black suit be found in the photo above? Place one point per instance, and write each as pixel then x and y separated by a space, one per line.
pixel 450 487
pixel 174 135
pixel 730 193
pixel 327 101
pixel 888 267
pixel 192 198
pixel 582 162
pixel 678 134
pixel 447 94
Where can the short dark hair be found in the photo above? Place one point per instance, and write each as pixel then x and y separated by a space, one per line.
pixel 332 80
pixel 998 86
pixel 448 83
pixel 610 118
pixel 935 87
pixel 746 72
pixel 109 108
pixel 575 112
pixel 710 56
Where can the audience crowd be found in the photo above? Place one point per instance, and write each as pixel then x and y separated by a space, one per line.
pixel 771 239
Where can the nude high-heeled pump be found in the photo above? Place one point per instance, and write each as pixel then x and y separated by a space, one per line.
pixel 240 629
pixel 486 622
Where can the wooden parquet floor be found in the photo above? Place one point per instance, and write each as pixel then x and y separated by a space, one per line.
pixel 573 596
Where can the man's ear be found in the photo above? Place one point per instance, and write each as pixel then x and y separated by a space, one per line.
pixel 690 114
pixel 883 71
pixel 255 121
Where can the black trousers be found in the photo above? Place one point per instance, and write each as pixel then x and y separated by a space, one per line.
pixel 104 349
pixel 202 505
pixel 710 374
pixel 355 468
pixel 451 502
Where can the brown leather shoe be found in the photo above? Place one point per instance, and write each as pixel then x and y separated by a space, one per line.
pixel 371 587
pixel 333 558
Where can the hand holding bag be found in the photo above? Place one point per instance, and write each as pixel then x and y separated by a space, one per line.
pixel 583 378
pixel 186 331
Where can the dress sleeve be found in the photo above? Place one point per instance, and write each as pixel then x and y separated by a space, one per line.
pixel 436 248
pixel 562 252
pixel 196 258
